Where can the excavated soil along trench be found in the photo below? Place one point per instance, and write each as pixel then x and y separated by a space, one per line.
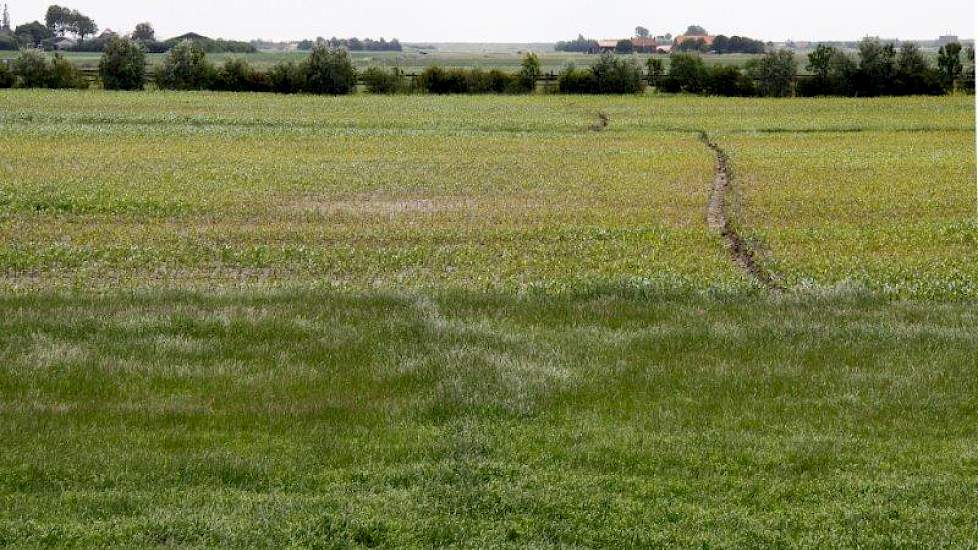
pixel 719 220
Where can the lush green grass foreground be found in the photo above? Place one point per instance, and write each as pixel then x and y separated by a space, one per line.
pixel 246 320
pixel 470 419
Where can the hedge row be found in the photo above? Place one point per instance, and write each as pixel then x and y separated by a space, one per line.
pixel 33 70
pixel 878 69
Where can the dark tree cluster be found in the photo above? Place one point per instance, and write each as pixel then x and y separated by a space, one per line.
pixel 880 69
pixel 722 45
pixel 877 69
pixel 772 75
pixel 32 35
pixel 211 45
pixel 355 44
pixel 737 44
pixel 62 21
pixel 123 65
pixel 692 45
pixel 580 45
pixel 435 80
pixel 325 71
pixel 32 69
pixel 610 75
pixel 689 74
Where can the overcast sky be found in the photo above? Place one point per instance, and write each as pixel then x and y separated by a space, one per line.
pixel 522 20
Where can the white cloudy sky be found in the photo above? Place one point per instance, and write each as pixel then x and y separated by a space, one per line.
pixel 523 20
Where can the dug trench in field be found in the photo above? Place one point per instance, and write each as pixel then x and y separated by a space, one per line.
pixel 718 218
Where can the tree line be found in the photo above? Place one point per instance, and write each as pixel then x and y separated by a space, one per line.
pixel 62 23
pixel 876 69
pixel 723 44
pixel 354 44
pixel 695 40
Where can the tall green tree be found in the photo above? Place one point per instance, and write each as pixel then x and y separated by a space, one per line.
pixel 32 34
pixel 687 73
pixel 144 32
pixel 61 20
pixel 877 67
pixel 654 69
pixel 84 26
pixel 5 19
pixel 58 19
pixel 329 71
pixel 911 60
pixel 185 67
pixel 820 60
pixel 625 46
pixel 642 32
pixel 949 64
pixel 775 73
pixel 914 75
pixel 530 71
pixel 123 65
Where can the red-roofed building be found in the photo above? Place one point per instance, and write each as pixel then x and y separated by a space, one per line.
pixel 645 44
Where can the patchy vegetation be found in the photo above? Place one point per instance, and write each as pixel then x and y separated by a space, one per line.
pixel 246 320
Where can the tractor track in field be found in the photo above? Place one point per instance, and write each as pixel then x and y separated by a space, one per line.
pixel 719 219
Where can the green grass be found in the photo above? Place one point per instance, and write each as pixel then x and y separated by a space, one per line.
pixel 483 420
pixel 203 190
pixel 237 320
pixel 890 210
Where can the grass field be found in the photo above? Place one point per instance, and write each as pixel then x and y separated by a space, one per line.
pixel 254 320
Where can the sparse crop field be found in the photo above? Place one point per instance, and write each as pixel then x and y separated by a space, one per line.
pixel 890 210
pixel 248 320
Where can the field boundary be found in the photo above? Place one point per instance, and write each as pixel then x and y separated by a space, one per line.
pixel 719 220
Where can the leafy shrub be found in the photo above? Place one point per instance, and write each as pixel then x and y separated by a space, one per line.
pixel 8 41
pixel 616 75
pixel 381 81
pixel 576 81
pixel 654 71
pixel 495 81
pixel 728 81
pixel 185 68
pixel 687 73
pixel 123 65
pixel 64 74
pixel 210 45
pixel 530 71
pixel 236 75
pixel 435 80
pixel 286 78
pixel 913 73
pixel 32 69
pixel 6 76
pixel 610 75
pixel 329 71
pixel 775 73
